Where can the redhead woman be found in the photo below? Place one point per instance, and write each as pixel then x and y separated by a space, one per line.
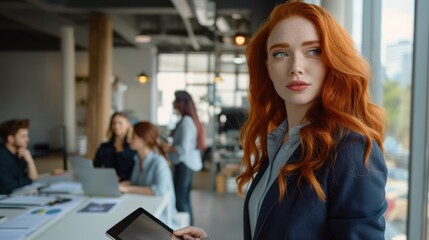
pixel 313 138
pixel 151 174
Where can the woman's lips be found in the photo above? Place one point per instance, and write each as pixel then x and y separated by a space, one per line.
pixel 297 85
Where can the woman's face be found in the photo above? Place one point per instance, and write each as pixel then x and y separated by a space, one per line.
pixel 178 105
pixel 294 61
pixel 120 125
pixel 136 142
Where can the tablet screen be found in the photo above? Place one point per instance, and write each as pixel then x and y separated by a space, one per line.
pixel 140 225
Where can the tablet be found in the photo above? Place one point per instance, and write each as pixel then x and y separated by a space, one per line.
pixel 140 224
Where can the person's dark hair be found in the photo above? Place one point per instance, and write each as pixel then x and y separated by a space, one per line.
pixel 11 127
pixel 150 135
pixel 191 111
pixel 110 134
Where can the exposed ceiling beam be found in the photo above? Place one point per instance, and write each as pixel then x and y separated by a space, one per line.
pixel 125 26
pixel 48 23
pixel 185 12
pixel 49 7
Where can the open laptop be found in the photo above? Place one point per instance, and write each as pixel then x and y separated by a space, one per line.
pixel 80 162
pixel 99 182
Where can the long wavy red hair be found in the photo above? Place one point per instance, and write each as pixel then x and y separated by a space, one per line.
pixel 344 104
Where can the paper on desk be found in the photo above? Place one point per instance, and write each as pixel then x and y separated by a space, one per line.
pixel 64 187
pixel 100 205
pixel 12 234
pixel 22 225
pixel 33 218
pixel 26 200
pixel 31 188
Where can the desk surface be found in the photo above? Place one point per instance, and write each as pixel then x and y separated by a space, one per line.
pixel 92 226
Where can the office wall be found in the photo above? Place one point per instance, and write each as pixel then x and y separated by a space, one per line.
pixel 127 64
pixel 31 87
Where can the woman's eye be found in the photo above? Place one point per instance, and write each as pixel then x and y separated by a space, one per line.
pixel 280 54
pixel 314 52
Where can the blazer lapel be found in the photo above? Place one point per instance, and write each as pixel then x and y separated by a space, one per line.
pixel 246 223
pixel 272 196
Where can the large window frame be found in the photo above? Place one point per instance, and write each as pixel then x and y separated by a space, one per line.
pixel 418 180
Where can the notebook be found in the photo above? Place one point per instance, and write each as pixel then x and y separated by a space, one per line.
pixel 99 182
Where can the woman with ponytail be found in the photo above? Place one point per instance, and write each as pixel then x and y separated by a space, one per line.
pixel 185 151
pixel 313 139
pixel 151 174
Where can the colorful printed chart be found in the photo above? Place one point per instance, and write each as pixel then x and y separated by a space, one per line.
pixel 42 211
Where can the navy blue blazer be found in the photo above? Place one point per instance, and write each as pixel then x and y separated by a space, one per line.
pixel 355 203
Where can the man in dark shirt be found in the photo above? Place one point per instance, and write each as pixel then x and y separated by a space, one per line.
pixel 17 167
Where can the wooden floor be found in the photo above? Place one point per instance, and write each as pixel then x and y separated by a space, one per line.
pixel 219 214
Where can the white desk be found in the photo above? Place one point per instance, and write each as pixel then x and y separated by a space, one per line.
pixel 92 226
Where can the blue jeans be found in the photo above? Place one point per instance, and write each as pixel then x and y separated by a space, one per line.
pixel 182 187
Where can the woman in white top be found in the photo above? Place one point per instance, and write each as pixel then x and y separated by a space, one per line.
pixel 185 152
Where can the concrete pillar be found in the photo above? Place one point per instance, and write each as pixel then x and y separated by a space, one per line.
pixel 154 96
pixel 69 87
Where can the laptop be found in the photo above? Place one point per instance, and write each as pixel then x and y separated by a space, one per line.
pixel 99 182
pixel 80 162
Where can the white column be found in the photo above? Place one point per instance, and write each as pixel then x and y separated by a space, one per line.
pixel 118 93
pixel 69 87
pixel 371 45
pixel 154 86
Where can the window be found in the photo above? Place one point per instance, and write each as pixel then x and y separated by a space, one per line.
pixel 195 72
pixel 396 59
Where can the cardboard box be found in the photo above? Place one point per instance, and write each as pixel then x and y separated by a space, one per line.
pixel 225 179
pixel 220 183
pixel 225 184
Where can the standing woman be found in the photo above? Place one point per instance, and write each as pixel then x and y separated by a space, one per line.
pixel 185 152
pixel 313 138
pixel 151 174
pixel 116 152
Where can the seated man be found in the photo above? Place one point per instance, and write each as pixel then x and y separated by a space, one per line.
pixel 17 167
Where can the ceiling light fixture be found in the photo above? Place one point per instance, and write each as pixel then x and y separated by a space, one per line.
pixel 143 78
pixel 238 60
pixel 142 38
pixel 239 39
pixel 236 16
pixel 217 78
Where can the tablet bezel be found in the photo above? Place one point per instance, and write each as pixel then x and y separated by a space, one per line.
pixel 119 227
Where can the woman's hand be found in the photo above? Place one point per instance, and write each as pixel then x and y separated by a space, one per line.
pixel 124 187
pixel 190 233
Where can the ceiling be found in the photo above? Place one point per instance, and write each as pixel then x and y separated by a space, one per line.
pixel 174 25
